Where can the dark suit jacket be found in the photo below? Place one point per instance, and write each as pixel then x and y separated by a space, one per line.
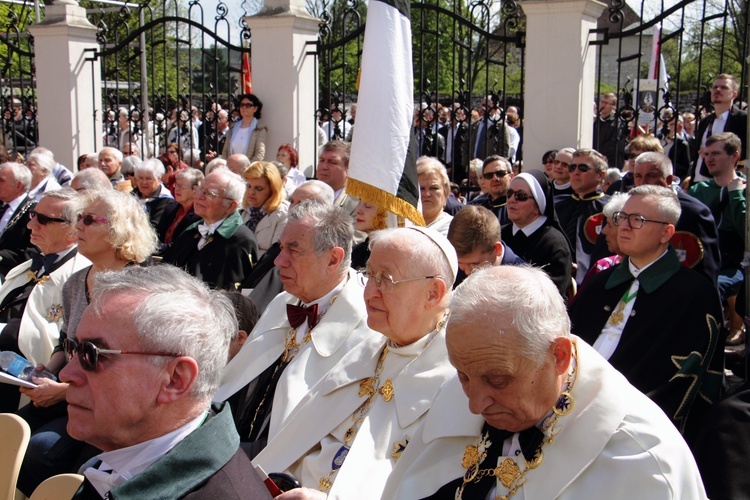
pixel 736 123
pixel 680 155
pixel 497 139
pixel 15 245
pixel 168 216
pixel 696 218
pixel 224 262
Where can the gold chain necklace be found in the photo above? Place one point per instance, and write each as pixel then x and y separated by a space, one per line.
pixel 508 472
pixel 368 387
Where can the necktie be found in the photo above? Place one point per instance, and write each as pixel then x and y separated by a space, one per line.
pixel 206 233
pixel 298 314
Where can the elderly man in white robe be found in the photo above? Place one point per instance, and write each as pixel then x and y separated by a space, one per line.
pixel 344 438
pixel 534 412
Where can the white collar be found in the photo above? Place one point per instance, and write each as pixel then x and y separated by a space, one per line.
pixel 635 271
pixel 131 461
pixel 529 229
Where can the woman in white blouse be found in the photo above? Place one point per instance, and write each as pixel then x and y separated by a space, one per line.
pixel 248 135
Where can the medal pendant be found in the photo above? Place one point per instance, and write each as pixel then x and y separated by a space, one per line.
pixel 387 390
pixel 471 456
pixel 367 387
pixel 508 473
pixel 325 485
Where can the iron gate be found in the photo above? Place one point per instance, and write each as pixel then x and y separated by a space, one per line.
pixel 661 60
pixel 168 68
pixel 464 53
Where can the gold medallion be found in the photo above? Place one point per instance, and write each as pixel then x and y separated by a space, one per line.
pixel 508 472
pixel 367 387
pixel 398 448
pixel 54 313
pixel 31 276
pixel 325 484
pixel 387 390
pixel 471 456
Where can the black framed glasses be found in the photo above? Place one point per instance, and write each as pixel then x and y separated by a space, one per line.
pixel 247 105
pixel 582 167
pixel 635 221
pixel 88 353
pixel 519 195
pixel 45 219
pixel 89 219
pixel 497 173
pixel 384 282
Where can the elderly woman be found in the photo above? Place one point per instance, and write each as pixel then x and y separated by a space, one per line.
pixel 42 180
pixel 113 232
pixel 150 192
pixel 609 230
pixel 265 209
pixel 535 233
pixel 371 403
pixel 248 136
pixel 434 189
pixel 179 214
pixel 289 157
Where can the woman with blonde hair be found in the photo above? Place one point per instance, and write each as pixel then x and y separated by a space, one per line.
pixel 264 208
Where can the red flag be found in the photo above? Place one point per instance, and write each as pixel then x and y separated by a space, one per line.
pixel 247 75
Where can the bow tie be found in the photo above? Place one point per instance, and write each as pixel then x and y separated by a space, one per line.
pixel 298 314
pixel 205 230
pixel 39 261
pixel 530 439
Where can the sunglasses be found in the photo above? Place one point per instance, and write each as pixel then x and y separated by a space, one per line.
pixel 88 353
pixel 519 195
pixel 45 219
pixel 582 167
pixel 497 173
pixel 89 219
pixel 550 160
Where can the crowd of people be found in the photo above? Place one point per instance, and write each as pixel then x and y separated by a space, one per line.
pixel 208 312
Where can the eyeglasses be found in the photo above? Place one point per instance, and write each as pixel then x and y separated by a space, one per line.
pixel 45 219
pixel 385 283
pixel 558 162
pixel 582 167
pixel 635 221
pixel 550 160
pixel 88 353
pixel 519 195
pixel 497 173
pixel 247 105
pixel 208 193
pixel 89 219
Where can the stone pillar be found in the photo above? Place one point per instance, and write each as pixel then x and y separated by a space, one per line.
pixel 560 76
pixel 68 87
pixel 284 78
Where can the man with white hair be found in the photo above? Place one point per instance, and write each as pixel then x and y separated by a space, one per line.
pixel 312 190
pixel 42 180
pixel 62 174
pixel 534 411
pixel 219 249
pixel 628 313
pixel 110 162
pixel 305 330
pixel 238 163
pixel 90 178
pixel 15 244
pixel 141 372
pixel 368 407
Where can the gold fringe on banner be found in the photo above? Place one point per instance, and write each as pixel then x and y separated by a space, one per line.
pixel 383 199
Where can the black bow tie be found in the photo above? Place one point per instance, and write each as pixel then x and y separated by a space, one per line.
pixel 298 314
pixel 39 261
pixel 530 439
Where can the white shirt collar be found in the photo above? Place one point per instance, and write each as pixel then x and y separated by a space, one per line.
pixel 635 271
pixel 529 230
pixel 131 461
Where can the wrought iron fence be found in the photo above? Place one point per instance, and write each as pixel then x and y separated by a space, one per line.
pixel 17 80
pixel 468 63
pixel 167 69
pixel 660 58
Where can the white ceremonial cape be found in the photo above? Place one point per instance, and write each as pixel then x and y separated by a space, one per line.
pixel 339 330
pixel 615 444
pixel 334 399
pixel 42 317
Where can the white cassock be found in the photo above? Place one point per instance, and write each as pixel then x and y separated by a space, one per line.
pixel 614 444
pixel 313 434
